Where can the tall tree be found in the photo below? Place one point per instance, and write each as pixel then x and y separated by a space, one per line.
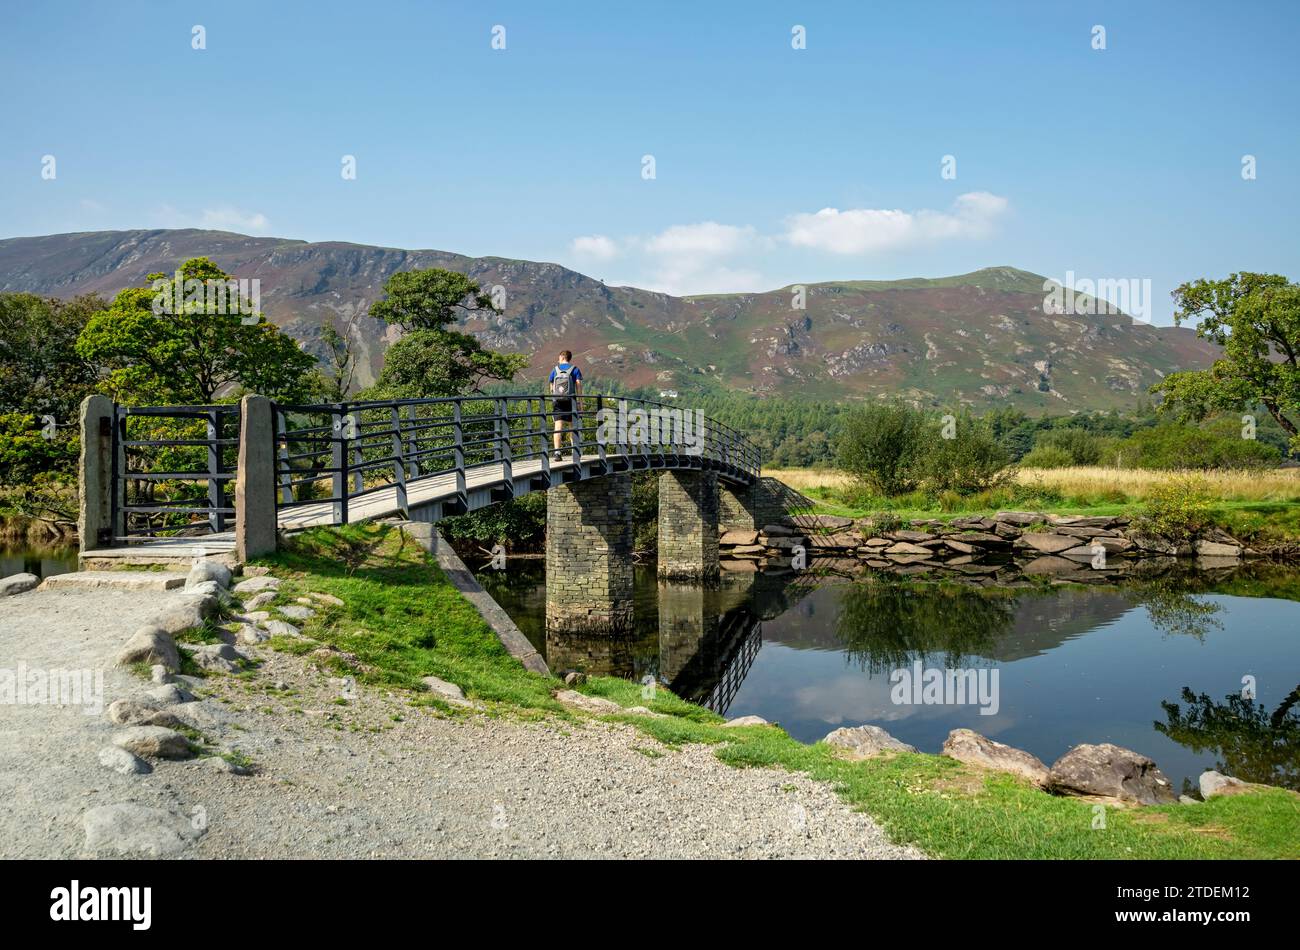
pixel 154 352
pixel 41 371
pixel 1256 319
pixel 432 360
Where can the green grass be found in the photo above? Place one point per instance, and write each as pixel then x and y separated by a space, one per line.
pixel 403 620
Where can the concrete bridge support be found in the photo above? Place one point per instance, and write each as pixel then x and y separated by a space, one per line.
pixel 688 525
pixel 255 517
pixel 589 556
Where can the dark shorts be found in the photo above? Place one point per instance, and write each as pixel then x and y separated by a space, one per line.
pixel 563 410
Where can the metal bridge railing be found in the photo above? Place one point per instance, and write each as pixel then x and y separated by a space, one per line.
pixel 340 452
pixel 173 469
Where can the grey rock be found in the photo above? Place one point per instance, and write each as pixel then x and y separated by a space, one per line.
pixel 169 695
pixel 153 742
pixel 1048 543
pixel 449 692
pixel 746 721
pixel 209 571
pixel 127 828
pixel 865 741
pixel 297 613
pixel 251 635
pixel 1110 771
pixel 123 762
pixel 216 763
pixel 18 584
pixel 255 585
pixel 216 657
pixel 326 598
pixel 133 712
pixel 1216 783
pixel 258 601
pixel 574 678
pixel 186 612
pixel 1019 518
pixel 158 673
pixel 591 704
pixel 966 745
pixel 282 628
pixel 1215 549
pixel 151 645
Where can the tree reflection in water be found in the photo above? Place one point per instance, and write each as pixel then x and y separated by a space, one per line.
pixel 1174 610
pixel 1249 742
pixel 887 624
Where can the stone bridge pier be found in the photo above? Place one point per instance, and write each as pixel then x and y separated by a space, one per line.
pixel 589 556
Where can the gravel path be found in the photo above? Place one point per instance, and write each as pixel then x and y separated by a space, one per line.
pixel 377 777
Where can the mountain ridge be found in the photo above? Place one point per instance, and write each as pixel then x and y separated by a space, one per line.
pixel 979 339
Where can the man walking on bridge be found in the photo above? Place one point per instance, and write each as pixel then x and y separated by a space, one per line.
pixel 566 386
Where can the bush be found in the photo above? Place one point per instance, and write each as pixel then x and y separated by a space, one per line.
pixel 1178 509
pixel 879 445
pixel 972 461
pixel 1183 447
pixel 1082 447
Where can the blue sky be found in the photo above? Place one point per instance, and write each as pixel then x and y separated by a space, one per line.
pixel 772 165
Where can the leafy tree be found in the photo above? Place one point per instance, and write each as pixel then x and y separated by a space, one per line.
pixel 880 444
pixel 432 360
pixel 430 363
pixel 429 299
pixel 1256 319
pixel 971 461
pixel 195 355
pixel 41 371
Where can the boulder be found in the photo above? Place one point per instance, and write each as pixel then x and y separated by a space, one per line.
pixel 153 742
pixel 185 613
pixel 168 695
pixel 961 547
pixel 255 585
pixel 123 762
pixel 1110 771
pixel 904 548
pixel 294 612
pixel 128 828
pixel 1215 549
pixel 591 704
pixel 779 531
pixel 325 598
pixel 970 747
pixel 912 536
pixel 133 712
pixel 18 584
pixel 209 571
pixel 150 645
pixel 1019 518
pixel 447 692
pixel 1048 543
pixel 864 741
pixel 982 539
pixel 215 657
pixel 746 721
pixel 282 628
pixel 250 635
pixel 159 674
pixel 1216 783
pixel 258 601
pixel 574 678
pixel 830 522
pixel 1009 531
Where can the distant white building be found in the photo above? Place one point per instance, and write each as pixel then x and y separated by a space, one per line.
pixel 667 394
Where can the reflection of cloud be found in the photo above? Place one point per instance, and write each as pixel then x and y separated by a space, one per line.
pixel 866 230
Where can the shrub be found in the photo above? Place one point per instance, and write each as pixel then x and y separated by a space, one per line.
pixel 1178 509
pixel 1080 446
pixel 972 461
pixel 879 445
pixel 1182 447
pixel 1048 456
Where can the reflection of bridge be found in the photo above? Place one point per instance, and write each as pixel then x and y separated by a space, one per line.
pixel 166 480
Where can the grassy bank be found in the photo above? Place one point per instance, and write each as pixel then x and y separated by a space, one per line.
pixel 1262 507
pixel 402 620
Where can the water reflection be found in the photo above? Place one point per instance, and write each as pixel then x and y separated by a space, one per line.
pixel 1076 664
pixel 43 562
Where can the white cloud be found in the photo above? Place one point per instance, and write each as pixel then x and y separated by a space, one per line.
pixel 866 230
pixel 595 247
pixel 694 259
pixel 708 238
pixel 232 219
